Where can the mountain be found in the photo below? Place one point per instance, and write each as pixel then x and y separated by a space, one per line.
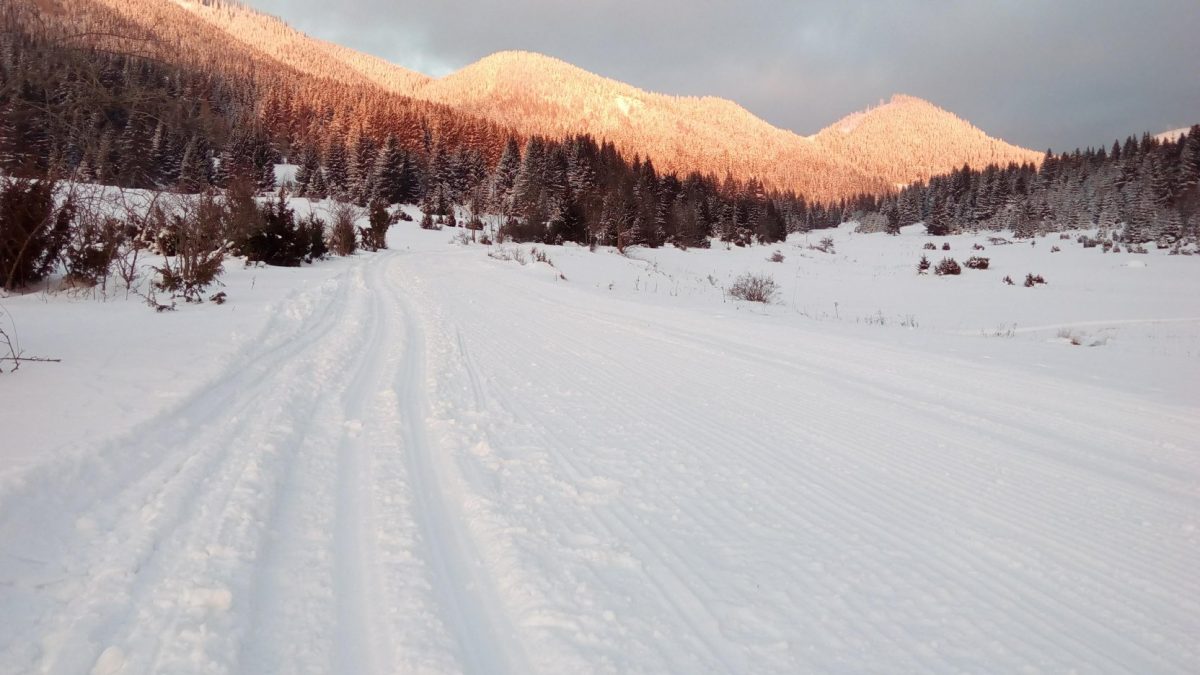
pixel 904 140
pixel 275 39
pixel 539 94
pixel 909 139
pixel 873 151
pixel 1172 135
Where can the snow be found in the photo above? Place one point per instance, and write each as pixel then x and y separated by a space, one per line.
pixel 285 174
pixel 430 460
pixel 1172 135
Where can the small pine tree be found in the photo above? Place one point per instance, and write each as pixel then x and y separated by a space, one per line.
pixel 32 230
pixel 374 236
pixel 313 230
pixel 947 266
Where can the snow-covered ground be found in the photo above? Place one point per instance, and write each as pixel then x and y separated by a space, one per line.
pixel 432 460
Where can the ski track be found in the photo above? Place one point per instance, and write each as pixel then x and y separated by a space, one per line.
pixel 436 463
pixel 1069 447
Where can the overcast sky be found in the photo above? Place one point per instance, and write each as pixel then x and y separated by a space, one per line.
pixel 1040 73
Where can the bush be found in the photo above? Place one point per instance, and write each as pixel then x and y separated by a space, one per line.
pixel 776 257
pixel 32 231
pixel 946 246
pixel 341 235
pixel 313 230
pixel 755 288
pixel 277 240
pixel 930 246
pixel 1032 280
pixel 1007 280
pixel 1055 249
pixel 977 247
pixel 977 263
pixel 428 224
pixel 401 215
pixel 923 265
pixel 947 266
pixel 374 236
pixel 91 250
pixel 199 251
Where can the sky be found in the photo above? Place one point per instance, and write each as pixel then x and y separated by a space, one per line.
pixel 1043 74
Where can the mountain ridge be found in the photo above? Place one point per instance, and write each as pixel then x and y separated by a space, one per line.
pixel 906 140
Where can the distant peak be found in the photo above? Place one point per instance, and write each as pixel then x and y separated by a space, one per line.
pixel 903 99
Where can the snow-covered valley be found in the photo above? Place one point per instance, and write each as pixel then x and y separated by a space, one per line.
pixel 429 459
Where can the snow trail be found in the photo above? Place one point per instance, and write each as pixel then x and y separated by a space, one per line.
pixel 436 462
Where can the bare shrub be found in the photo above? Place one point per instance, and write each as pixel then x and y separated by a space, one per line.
pixel 1032 280
pixel 776 257
pixel 826 246
pixel 342 239
pixel 754 288
pixel 1070 336
pixel 508 253
pixel 92 249
pixel 1008 280
pixel 10 347
pixel 930 246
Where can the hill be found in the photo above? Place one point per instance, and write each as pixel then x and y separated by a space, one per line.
pixel 899 142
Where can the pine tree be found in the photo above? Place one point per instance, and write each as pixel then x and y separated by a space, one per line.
pixel 195 169
pixel 1189 160
pixel 306 170
pixel 317 187
pixel 504 178
pixel 337 168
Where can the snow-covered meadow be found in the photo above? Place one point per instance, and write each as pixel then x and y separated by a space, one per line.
pixel 433 459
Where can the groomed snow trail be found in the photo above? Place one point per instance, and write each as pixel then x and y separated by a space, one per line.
pixel 438 462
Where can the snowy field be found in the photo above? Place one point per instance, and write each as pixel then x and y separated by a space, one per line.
pixel 430 460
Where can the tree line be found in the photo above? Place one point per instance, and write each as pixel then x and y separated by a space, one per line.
pixel 1139 191
pixel 80 111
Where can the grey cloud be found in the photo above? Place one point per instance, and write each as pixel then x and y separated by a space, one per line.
pixel 1042 74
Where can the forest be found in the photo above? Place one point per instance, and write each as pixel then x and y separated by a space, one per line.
pixel 108 110
pixel 1140 191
